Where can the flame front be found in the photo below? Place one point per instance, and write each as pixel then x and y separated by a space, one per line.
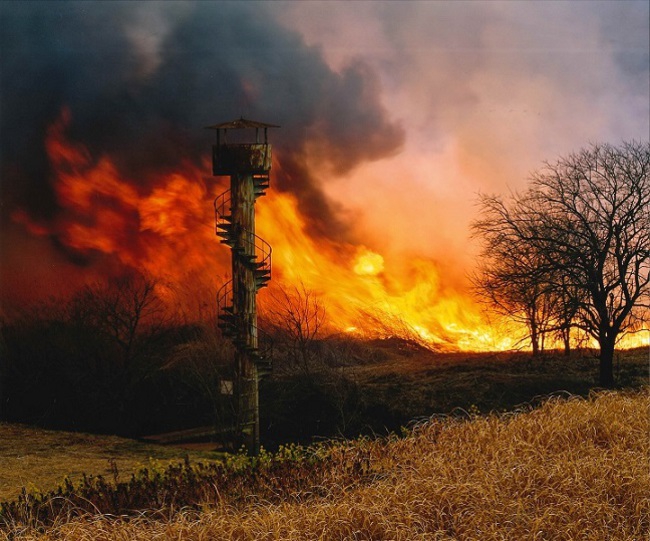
pixel 167 230
pixel 355 282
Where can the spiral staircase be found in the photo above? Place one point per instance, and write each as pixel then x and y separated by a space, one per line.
pixel 256 256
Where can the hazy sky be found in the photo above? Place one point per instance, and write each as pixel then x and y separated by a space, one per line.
pixel 485 91
pixel 394 115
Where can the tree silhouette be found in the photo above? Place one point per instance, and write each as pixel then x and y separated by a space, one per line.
pixel 296 316
pixel 129 319
pixel 587 217
pixel 510 278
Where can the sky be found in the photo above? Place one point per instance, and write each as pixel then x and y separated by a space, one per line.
pixel 394 117
pixel 486 91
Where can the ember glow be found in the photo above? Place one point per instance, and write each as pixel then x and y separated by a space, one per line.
pixel 390 128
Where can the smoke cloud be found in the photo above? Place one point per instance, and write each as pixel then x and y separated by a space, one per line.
pixel 487 91
pixel 393 115
pixel 141 80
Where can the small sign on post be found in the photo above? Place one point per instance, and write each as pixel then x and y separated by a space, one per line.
pixel 226 387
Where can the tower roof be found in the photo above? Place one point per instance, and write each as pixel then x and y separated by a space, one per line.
pixel 240 124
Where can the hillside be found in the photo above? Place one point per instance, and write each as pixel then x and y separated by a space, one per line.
pixel 568 469
pixel 385 384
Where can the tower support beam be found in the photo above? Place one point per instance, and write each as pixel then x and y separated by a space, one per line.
pixel 245 307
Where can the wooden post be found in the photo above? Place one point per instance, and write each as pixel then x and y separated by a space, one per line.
pixel 245 308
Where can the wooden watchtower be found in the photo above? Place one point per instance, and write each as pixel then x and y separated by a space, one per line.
pixel 248 164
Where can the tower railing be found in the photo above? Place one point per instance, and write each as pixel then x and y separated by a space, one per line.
pixel 227 157
pixel 222 210
pixel 228 323
pixel 256 252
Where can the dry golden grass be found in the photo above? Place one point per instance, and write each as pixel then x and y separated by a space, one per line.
pixel 40 459
pixel 570 470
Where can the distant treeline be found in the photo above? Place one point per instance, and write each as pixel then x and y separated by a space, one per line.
pixel 111 360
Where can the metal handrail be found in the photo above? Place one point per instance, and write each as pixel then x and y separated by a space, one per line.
pixel 264 343
pixel 264 339
pixel 262 250
pixel 220 203
pixel 223 295
pixel 255 251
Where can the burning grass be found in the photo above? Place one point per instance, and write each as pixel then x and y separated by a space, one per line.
pixel 569 469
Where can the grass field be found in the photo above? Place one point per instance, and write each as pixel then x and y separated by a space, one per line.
pixel 419 382
pixel 40 459
pixel 571 469
pixel 397 382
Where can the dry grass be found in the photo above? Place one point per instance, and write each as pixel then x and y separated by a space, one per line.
pixel 40 459
pixel 571 470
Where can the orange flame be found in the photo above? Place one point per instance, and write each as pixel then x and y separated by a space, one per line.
pixel 168 231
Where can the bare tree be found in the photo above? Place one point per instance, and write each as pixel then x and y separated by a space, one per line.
pixel 510 279
pixel 591 215
pixel 88 360
pixel 297 317
pixel 123 308
pixel 131 317
pixel 588 217
pixel 564 300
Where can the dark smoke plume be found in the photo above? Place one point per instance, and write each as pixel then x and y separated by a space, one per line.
pixel 142 79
